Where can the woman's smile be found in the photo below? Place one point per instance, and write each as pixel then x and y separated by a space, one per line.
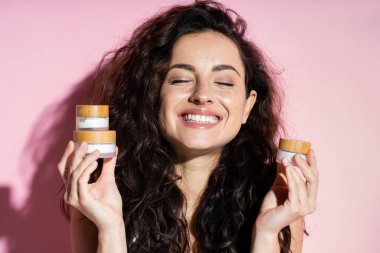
pixel 202 118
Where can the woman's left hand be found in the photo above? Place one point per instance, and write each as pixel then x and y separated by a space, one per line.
pixel 292 196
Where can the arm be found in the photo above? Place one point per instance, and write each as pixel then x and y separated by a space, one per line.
pixel 296 229
pixel 112 240
pixel 292 196
pixel 83 233
pixel 85 237
pixel 269 242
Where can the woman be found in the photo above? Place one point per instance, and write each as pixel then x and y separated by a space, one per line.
pixel 197 118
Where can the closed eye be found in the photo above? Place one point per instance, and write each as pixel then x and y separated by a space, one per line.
pixel 225 84
pixel 179 81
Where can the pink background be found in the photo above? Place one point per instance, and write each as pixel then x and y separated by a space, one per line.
pixel 328 51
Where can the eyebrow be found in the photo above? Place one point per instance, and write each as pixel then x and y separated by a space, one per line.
pixel 215 68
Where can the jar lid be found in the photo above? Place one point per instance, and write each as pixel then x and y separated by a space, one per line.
pixel 92 110
pixel 295 146
pixel 95 136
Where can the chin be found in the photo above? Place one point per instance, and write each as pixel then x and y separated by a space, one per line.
pixel 192 144
pixel 198 147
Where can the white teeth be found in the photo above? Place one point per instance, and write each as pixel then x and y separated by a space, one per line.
pixel 204 119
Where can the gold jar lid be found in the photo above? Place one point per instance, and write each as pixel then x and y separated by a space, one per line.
pixel 295 146
pixel 95 136
pixel 92 110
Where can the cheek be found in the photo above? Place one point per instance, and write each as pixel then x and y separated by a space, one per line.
pixel 167 112
pixel 162 110
pixel 163 116
pixel 235 106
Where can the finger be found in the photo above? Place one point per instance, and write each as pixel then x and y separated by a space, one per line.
pixel 309 162
pixel 301 186
pixel 282 179
pixel 82 184
pixel 109 165
pixel 307 202
pixel 62 165
pixel 77 172
pixel 65 197
pixel 310 172
pixel 283 174
pixel 304 166
pixel 78 155
pixel 311 159
pixel 292 194
pixel 313 184
pixel 285 162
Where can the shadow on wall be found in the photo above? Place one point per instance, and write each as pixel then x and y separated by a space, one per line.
pixel 40 225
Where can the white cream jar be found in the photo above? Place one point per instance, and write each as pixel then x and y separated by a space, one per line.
pixel 104 141
pixel 92 117
pixel 290 147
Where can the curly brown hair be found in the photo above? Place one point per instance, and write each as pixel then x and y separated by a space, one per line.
pixel 130 82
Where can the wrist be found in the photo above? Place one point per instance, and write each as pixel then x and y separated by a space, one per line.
pixel 111 230
pixel 112 240
pixel 111 226
pixel 265 229
pixel 264 241
pixel 267 236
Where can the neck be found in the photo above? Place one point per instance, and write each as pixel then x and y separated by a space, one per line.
pixel 194 173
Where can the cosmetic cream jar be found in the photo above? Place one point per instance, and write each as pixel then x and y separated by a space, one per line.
pixel 92 117
pixel 104 141
pixel 290 147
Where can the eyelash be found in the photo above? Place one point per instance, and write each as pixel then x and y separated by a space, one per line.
pixel 226 84
pixel 187 81
pixel 179 81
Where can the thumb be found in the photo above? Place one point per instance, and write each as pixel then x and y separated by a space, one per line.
pixel 109 165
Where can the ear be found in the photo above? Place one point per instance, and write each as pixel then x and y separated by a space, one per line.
pixel 249 105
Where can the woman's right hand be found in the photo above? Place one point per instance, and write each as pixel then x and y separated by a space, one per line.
pixel 100 201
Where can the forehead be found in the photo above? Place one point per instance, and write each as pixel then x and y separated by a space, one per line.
pixel 210 46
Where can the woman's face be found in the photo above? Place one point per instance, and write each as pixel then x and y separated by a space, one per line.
pixel 203 97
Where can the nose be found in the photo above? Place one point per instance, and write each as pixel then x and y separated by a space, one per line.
pixel 201 94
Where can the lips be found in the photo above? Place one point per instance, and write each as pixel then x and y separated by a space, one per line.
pixel 200 117
pixel 203 119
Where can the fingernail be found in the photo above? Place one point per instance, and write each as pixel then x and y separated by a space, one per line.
pixel 286 161
pixel 301 157
pixel 82 144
